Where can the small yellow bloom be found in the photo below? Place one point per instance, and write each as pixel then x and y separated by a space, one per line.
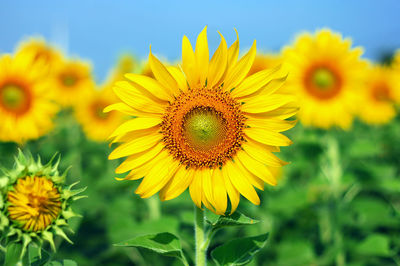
pixel 38 51
pixel 96 124
pixel 34 203
pixel 379 96
pixel 327 75
pixel 26 106
pixel 205 126
pixel 72 82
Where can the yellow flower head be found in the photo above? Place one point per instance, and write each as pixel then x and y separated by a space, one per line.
pixel 26 107
pixel 38 51
pixel 205 126
pixel 35 204
pixel 72 82
pixel 327 75
pixel 96 124
pixel 379 96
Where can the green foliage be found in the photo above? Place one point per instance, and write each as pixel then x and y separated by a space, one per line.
pixel 165 244
pixel 238 251
pixel 310 220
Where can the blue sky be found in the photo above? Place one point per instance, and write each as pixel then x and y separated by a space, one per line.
pixel 100 30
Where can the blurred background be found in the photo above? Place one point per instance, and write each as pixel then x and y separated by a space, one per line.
pixel 311 220
pixel 100 30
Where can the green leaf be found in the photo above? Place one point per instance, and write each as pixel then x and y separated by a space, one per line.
pixel 375 245
pixel 37 257
pixel 13 254
pixel 238 251
pixel 236 219
pixel 165 244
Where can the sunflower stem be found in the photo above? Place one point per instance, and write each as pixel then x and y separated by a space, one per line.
pixel 201 249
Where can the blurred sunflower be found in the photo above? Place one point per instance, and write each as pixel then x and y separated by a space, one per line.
pixel 379 97
pixel 327 75
pixel 264 61
pixel 207 127
pixel 26 108
pixel 96 124
pixel 39 51
pixel 35 204
pixel 72 82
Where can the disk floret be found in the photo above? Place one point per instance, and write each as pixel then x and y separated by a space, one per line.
pixel 35 204
pixel 203 127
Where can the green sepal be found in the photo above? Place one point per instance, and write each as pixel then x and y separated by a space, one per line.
pixel 48 236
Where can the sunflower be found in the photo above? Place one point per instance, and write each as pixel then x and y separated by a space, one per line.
pixel 263 61
pixel 26 108
pixel 72 82
pixel 37 50
pixel 96 124
pixel 204 126
pixel 379 97
pixel 35 204
pixel 327 75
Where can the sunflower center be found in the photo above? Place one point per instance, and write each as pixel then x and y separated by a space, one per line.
pixel 14 98
pixel 323 78
pixel 203 128
pixel 381 93
pixel 69 80
pixel 98 108
pixel 34 203
pixel 322 82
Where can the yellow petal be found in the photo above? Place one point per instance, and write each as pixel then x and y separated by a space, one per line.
pixel 233 193
pixel 233 53
pixel 256 168
pixel 189 63
pixel 202 56
pixel 162 171
pixel 178 183
pixel 277 125
pixel 241 183
pixel 259 153
pixel 129 94
pixel 257 81
pixel 218 64
pixel 121 107
pixel 263 104
pixel 136 124
pixel 267 137
pixel 179 76
pixel 135 146
pixel 208 185
pixel 152 86
pixel 139 159
pixel 240 70
pixel 219 192
pixel 283 112
pixel 196 188
pixel 253 179
pixel 163 75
